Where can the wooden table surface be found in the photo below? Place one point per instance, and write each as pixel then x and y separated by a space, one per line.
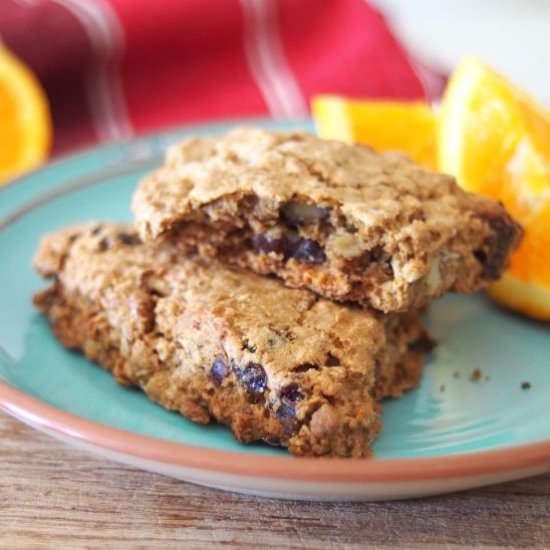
pixel 52 496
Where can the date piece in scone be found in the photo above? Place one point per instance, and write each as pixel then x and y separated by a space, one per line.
pixel 218 344
pixel 339 219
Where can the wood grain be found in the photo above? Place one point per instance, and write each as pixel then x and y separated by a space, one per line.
pixel 52 496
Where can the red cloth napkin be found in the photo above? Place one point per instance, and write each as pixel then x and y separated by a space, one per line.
pixel 114 68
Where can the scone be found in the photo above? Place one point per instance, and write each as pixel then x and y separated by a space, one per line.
pixel 348 223
pixel 216 343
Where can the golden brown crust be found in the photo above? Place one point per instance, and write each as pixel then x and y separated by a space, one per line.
pixel 381 231
pixel 212 342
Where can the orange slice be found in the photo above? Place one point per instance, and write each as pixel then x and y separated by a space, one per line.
pixel 385 125
pixel 25 127
pixel 495 139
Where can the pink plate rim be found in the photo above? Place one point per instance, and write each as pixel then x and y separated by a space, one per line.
pixel 37 413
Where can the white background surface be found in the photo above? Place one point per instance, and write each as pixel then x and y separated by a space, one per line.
pixel 513 36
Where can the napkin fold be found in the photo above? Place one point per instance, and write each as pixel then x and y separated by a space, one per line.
pixel 116 68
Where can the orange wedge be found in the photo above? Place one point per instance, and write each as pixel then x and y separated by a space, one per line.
pixel 384 125
pixel 25 127
pixel 495 139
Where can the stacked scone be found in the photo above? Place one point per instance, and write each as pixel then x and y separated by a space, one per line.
pixel 272 283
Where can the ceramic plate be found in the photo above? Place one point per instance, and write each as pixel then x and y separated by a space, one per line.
pixel 451 433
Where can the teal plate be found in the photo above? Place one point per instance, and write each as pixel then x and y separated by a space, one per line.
pixel 451 428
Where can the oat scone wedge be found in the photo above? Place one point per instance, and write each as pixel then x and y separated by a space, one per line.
pixel 340 219
pixel 218 344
